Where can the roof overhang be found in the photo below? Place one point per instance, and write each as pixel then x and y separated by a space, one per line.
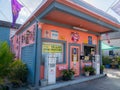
pixel 67 13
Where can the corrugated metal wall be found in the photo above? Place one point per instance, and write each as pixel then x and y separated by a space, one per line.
pixel 27 56
pixel 4 34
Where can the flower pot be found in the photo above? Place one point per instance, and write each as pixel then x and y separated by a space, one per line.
pixel 118 66
pixel 44 82
pixel 87 73
pixel 101 71
pixel 72 77
pixel 66 78
pixel 107 66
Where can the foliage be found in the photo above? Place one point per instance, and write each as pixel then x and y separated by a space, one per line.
pixel 102 67
pixel 67 74
pixel 118 59
pixel 106 60
pixel 87 68
pixel 92 70
pixel 18 73
pixel 14 71
pixel 6 57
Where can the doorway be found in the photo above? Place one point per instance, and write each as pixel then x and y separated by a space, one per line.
pixel 74 58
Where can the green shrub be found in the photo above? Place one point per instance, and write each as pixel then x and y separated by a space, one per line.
pixel 102 67
pixel 106 60
pixel 18 73
pixel 118 59
pixel 67 74
pixel 6 57
pixel 87 68
pixel 92 70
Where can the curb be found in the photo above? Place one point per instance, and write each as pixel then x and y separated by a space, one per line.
pixel 63 84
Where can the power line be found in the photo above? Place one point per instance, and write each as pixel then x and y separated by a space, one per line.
pixel 111 5
pixel 29 11
pixel 4 15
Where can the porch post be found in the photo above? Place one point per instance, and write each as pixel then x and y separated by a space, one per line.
pixel 100 49
pixel 37 55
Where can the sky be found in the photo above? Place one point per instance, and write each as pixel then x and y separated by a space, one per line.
pixel 31 5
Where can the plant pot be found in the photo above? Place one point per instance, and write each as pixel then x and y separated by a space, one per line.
pixel 72 77
pixel 101 71
pixel 107 66
pixel 118 66
pixel 66 78
pixel 87 73
pixel 44 82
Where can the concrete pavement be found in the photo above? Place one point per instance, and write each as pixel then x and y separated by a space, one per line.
pixel 111 82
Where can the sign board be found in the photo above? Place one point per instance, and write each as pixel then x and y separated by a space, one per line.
pixel 89 39
pixel 54 34
pixel 52 48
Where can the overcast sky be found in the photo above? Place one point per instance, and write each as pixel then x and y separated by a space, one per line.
pixel 6 14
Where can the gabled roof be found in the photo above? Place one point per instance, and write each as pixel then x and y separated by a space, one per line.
pixel 8 24
pixel 80 15
pixel 95 10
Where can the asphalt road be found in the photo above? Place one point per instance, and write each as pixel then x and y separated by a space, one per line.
pixel 110 82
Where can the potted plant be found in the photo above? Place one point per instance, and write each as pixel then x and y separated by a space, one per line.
pixel 106 61
pixel 67 74
pixel 92 70
pixel 101 69
pixel 118 59
pixel 87 70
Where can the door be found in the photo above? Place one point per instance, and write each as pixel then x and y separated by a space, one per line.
pixel 74 60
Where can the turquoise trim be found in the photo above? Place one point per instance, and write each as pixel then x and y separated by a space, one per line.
pixel 37 55
pixel 82 15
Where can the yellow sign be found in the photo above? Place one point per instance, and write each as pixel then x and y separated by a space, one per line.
pixel 52 48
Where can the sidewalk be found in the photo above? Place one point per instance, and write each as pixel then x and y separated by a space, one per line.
pixel 75 81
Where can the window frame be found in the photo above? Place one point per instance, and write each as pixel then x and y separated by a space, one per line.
pixel 56 41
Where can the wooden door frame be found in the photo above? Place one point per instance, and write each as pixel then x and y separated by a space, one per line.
pixel 74 44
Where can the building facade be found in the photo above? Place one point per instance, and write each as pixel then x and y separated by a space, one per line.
pixel 64 31
pixel 6 32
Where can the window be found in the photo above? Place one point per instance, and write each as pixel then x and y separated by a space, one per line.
pixel 89 52
pixel 55 48
pixel 111 52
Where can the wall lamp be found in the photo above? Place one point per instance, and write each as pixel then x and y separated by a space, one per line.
pixel 81 29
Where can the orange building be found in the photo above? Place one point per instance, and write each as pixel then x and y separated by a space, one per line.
pixel 68 29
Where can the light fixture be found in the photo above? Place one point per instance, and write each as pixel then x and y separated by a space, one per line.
pixel 81 29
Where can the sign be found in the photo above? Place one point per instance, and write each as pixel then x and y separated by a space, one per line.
pixel 62 37
pixel 89 39
pixel 46 33
pixel 74 55
pixel 52 48
pixel 54 34
pixel 62 67
pixel 75 36
pixel 94 42
pixel 85 41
